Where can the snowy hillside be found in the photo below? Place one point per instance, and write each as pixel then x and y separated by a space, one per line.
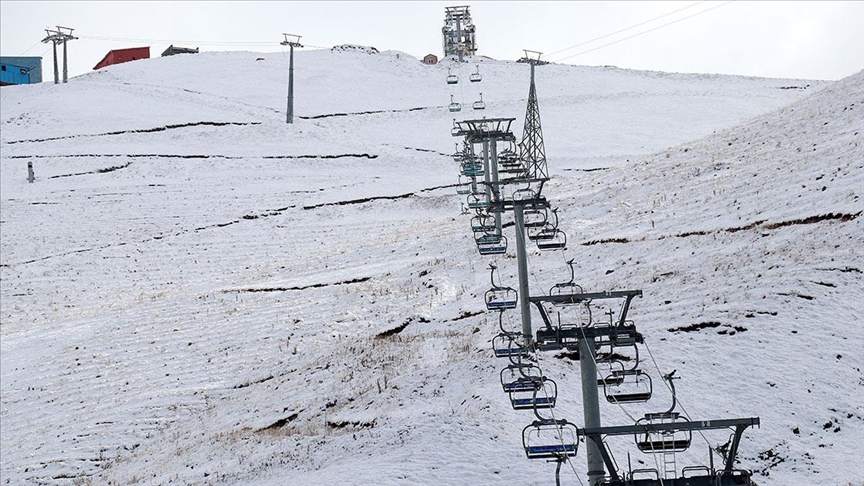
pixel 194 292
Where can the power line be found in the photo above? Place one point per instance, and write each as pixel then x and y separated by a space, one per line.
pixel 169 41
pixel 647 31
pixel 625 29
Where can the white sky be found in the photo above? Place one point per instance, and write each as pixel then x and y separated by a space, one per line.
pixel 799 39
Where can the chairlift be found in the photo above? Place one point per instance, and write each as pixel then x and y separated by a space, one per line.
pixel 520 377
pixel 486 238
pixel 493 248
pixel 534 217
pixel 547 231
pixel 479 104
pixel 453 106
pixel 506 345
pixel 550 439
pixel 471 170
pixel 666 440
pixel 542 396
pixel 516 168
pixel 499 297
pixel 482 224
pixel 613 362
pixel 614 377
pixel 569 287
pixel 634 386
pixel 669 440
pixel 451 78
pixel 456 131
pixel 557 241
pixel 475 202
pixel 544 232
pixel 475 76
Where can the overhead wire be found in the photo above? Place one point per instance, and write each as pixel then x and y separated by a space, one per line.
pixel 677 399
pixel 31 47
pixel 624 29
pixel 647 31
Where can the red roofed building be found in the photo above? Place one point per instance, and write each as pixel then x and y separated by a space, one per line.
pixel 118 56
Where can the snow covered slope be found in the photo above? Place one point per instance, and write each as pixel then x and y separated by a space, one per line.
pixel 194 292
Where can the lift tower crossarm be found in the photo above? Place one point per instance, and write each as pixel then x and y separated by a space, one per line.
pixel 596 434
pixel 585 297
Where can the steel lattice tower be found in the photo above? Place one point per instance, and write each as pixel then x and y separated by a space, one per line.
pixel 532 150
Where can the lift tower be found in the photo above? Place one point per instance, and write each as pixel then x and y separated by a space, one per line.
pixel 531 148
pixel 294 42
pixel 458 32
pixel 59 36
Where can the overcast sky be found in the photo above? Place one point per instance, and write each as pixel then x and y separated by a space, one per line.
pixel 799 39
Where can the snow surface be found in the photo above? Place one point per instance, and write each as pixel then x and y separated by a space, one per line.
pixel 195 292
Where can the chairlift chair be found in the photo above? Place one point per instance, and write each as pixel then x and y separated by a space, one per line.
pixel 542 396
pixel 524 194
pixel 499 297
pixel 479 104
pixel 506 345
pixel 493 248
pixel 455 131
pixel 464 188
pixel 475 77
pixel 634 387
pixel 550 439
pixel 667 440
pixel 482 224
pixel 534 218
pixel 557 241
pixel 545 232
pixel 471 170
pixel 451 78
pixel 614 377
pixel 475 202
pixel 520 377
pixel 486 238
pixel 453 106
pixel 569 287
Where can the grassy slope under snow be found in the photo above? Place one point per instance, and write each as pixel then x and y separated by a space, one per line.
pixel 206 311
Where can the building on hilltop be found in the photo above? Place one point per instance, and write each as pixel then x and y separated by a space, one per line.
pixel 172 50
pixel 119 56
pixel 430 59
pixel 20 70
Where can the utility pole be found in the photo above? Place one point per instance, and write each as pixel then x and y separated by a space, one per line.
pixel 59 36
pixel 292 43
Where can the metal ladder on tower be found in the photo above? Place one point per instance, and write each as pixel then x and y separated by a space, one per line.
pixel 669 466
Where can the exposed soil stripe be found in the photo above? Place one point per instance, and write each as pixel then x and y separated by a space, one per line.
pixel 305 287
pixel 141 130
pixel 376 112
pixel 196 156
